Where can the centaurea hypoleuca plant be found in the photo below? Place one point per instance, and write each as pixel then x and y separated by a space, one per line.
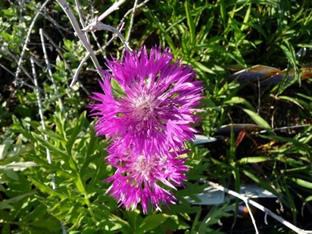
pixel 146 108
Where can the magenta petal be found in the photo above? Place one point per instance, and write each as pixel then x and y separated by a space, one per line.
pixel 144 180
pixel 157 91
pixel 148 122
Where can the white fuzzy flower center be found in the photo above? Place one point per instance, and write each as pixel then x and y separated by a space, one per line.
pixel 143 107
pixel 144 167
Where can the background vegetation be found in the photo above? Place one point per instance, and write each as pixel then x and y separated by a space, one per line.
pixel 217 38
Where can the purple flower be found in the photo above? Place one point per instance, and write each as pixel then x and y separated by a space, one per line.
pixel 151 106
pixel 141 179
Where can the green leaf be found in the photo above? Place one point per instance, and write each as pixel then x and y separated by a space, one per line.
pixel 262 183
pixel 202 67
pixel 258 119
pixel 213 217
pixel 290 53
pixel 223 11
pixel 4 148
pixel 256 159
pixel 117 90
pixel 239 100
pixel 308 199
pixel 5 204
pixel 286 140
pixel 246 18
pixel 17 166
pixel 53 135
pixel 49 146
pixel 39 211
pixel 301 182
pixel 293 100
pixel 11 174
pixel 47 189
pixel 190 21
pixel 162 30
pixel 75 131
pixel 19 126
pixel 151 222
pixel 80 186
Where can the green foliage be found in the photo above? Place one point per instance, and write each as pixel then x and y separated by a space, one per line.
pixel 217 38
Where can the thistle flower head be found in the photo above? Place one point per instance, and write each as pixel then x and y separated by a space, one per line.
pixel 151 104
pixel 145 180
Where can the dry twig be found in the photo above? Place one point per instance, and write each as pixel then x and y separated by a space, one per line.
pixel 80 34
pixel 49 69
pixel 49 158
pixel 112 8
pixel 75 77
pixel 97 26
pixel 18 70
pixel 258 206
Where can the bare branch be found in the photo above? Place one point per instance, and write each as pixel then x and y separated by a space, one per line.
pixel 260 207
pixel 49 69
pixel 57 48
pixel 112 8
pixel 36 90
pixel 131 10
pixel 78 9
pixel 75 77
pixel 82 22
pixel 97 26
pixel 7 51
pixel 49 158
pixel 18 70
pixel 130 26
pixel 49 18
pixel 251 216
pixel 80 34
pixel 5 68
pixel 131 20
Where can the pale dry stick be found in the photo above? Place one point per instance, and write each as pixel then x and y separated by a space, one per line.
pixel 82 22
pixel 11 73
pixel 80 34
pixel 131 20
pixel 286 128
pixel 23 83
pixel 37 62
pixel 259 97
pixel 112 8
pixel 20 3
pixel 36 90
pixel 19 63
pixel 97 26
pixel 111 40
pixel 78 8
pixel 75 77
pixel 130 26
pixel 49 158
pixel 7 51
pixel 57 48
pixel 129 11
pixel 260 207
pixel 251 216
pixel 97 43
pixel 49 18
pixel 59 51
pixel 7 69
pixel 121 23
pixel 45 55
